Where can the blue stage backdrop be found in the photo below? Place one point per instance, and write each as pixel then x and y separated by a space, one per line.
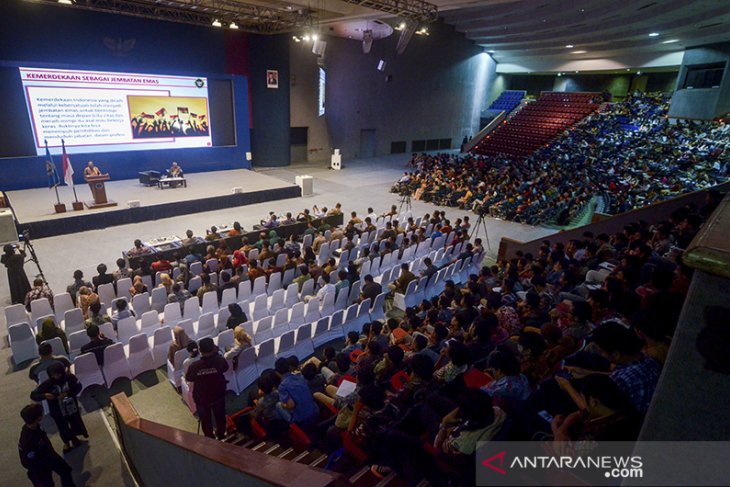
pixel 34 35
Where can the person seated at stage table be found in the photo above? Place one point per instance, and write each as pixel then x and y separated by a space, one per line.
pixel 337 210
pixel 78 283
pixel 236 230
pixel 289 220
pixel 272 222
pixel 138 249
pixel 190 238
pixel 175 171
pixel 305 216
pixel 354 219
pixel 102 277
pixel 319 213
pixel 40 290
pixel 91 170
pixel 212 234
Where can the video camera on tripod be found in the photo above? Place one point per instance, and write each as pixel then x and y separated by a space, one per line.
pixel 28 246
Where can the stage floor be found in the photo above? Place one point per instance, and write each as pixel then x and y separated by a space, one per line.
pixel 33 205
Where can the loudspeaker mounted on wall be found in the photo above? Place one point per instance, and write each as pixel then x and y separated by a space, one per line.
pixel 133 203
pixel 381 65
pixel 318 47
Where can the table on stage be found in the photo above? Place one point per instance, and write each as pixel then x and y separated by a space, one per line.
pixel 171 182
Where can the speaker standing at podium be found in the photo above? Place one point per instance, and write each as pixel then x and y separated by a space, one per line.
pixel 91 170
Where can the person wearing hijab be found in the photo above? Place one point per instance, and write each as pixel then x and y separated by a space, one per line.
pixel 180 342
pixel 60 390
pixel 166 282
pixel 237 316
pixel 18 281
pixel 49 330
pixel 239 259
pixel 241 341
pixel 86 298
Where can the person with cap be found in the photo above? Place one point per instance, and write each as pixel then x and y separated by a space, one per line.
pixel 209 388
pixel 36 451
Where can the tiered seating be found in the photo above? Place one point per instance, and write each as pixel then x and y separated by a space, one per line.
pixel 508 100
pixel 538 123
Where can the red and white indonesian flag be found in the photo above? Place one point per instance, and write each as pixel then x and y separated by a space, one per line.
pixel 68 170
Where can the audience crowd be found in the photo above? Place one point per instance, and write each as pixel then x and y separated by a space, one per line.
pixel 628 155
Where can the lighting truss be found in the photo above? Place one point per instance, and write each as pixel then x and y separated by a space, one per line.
pixel 250 18
pixel 407 9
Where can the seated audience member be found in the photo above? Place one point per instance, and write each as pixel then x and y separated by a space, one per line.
pixel 122 271
pixel 190 239
pixel 206 286
pixel 236 230
pixel 315 380
pixel 138 286
pixel 343 282
pixel 160 264
pixel 303 277
pixel 509 384
pixel 40 290
pixel 265 411
pixel 86 298
pixel 78 283
pixel 456 356
pixel 122 311
pixel 237 316
pixel 49 330
pixel 288 220
pixel 241 341
pixel 326 288
pixel 272 222
pixel 96 315
pixel 400 285
pixel 102 277
pixel 254 271
pixel 180 341
pixel 97 343
pixel 337 210
pixel 635 373
pixel 370 289
pixel 178 295
pixel 45 359
pixel 296 404
pixel 165 283
pixel 138 249
pixel 194 356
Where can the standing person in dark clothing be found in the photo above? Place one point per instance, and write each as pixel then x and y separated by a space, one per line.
pixel 36 451
pixel 19 285
pixel 209 388
pixel 60 390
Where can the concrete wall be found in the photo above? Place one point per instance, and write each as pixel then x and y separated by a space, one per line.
pixel 436 90
pixel 702 103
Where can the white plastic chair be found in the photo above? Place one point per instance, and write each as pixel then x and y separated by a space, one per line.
pixel 172 314
pixel 210 302
pixel 288 277
pixel 175 369
pixel 259 286
pixel 285 346
pixel 141 303
pixel 311 314
pixel 107 329
pixel 328 304
pixel 106 292
pixel 139 355
pixel 262 329
pixel 73 320
pixel 291 296
pixel 158 299
pixel 321 329
pixel 307 289
pixel 191 310
pixel 126 329
pixel 57 345
pixel 62 303
pixel 265 357
pixel 274 282
pixel 189 328
pixel 221 319
pixel 115 364
pixel 186 391
pixel 194 284
pixel 260 308
pixel 39 308
pixel 296 316
pixel 246 373
pixel 281 322
pixel 76 340
pixel 206 325
pixel 276 302
pixel 212 265
pixel 225 340
pixel 228 297
pixel 244 290
pixel 341 300
pixel 87 371
pixel 196 268
pixel 303 345
pixel 402 301
pixel 147 281
pixel 377 312
pixel 354 293
pixel 161 341
pixel 335 330
pixel 149 322
pixel 349 322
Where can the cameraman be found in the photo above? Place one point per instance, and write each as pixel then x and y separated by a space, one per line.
pixel 14 261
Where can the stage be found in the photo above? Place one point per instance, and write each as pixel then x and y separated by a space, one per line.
pixel 204 192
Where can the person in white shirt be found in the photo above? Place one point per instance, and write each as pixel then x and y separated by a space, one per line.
pixel 319 213
pixel 326 288
pixel 372 215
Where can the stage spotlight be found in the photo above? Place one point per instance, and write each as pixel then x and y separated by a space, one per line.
pixel 306 38
pixel 217 23
pixel 233 26
pixel 66 2
pixel 296 38
pixel 315 37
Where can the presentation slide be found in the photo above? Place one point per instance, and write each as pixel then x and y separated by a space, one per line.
pixel 95 111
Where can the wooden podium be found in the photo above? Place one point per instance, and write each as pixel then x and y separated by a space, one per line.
pixel 96 183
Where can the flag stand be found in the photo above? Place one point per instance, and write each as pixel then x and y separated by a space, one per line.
pixel 59 207
pixel 77 205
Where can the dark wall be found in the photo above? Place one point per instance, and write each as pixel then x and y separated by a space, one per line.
pixel 270 137
pixel 532 84
pixel 703 103
pixel 37 35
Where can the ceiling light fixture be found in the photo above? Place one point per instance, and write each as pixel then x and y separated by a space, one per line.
pixel 233 26
pixel 654 34
pixel 569 46
pixel 578 52
pixel 670 41
pixel 217 23
pixel 491 51
pixel 296 38
pixel 315 37
pixel 306 38
pixel 66 2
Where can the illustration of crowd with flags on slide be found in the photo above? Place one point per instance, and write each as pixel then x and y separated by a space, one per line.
pixel 162 124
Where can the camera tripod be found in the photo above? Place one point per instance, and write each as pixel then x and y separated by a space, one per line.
pixel 480 223
pixel 405 199
pixel 28 245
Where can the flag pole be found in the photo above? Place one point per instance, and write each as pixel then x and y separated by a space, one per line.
pixel 58 200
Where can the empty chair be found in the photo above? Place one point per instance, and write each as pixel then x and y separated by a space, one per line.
pixel 277 301
pixel 307 240
pixel 244 290
pixel 213 276
pixel 281 259
pixel 307 289
pixel 107 329
pixel 281 322
pixel 286 344
pixel 221 319
pixel 377 312
pixel 206 325
pixel 328 304
pixel 191 311
pixel 246 373
pixel 262 329
pixel 291 296
pixel 147 280
pixel 189 328
pixel 126 329
pixel 175 369
pixel 296 316
pixel 365 268
pixel 274 282
pixel 73 320
pixel 123 286
pixel 354 294
pixel 139 355
pixel 363 313
pixel 172 314
pixel 312 311
pixel 210 302
pixel 265 357
pixel 76 340
pixel 22 342
pixel 324 253
pixel 321 329
pixel 87 371
pixel 106 292
pixel 259 286
pixel 212 265
pixel 288 277
pixel 334 331
pixel 115 364
pixel 57 345
pixel 303 345
pixel 341 301
pixel 349 322
pixel 141 303
pixel 194 284
pixel 62 303
pixel 228 297
pixel 161 341
pixel 225 340
pixel 158 299
pixel 196 268
pixel 260 308
pixel 149 322
pixel 39 308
